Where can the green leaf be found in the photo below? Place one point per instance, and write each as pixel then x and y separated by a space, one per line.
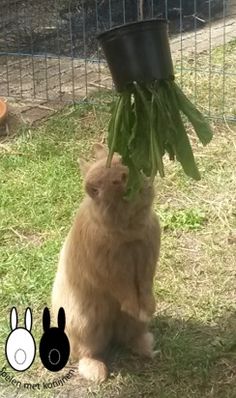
pixel 121 144
pixel 139 142
pixel 115 127
pixel 155 144
pixel 200 124
pixel 184 153
pixel 135 180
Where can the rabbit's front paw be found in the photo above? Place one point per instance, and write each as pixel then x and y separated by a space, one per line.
pixel 147 307
pixel 131 308
pixel 144 316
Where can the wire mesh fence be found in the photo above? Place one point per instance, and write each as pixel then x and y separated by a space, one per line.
pixel 49 51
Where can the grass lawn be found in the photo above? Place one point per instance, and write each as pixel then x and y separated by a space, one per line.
pixel 195 286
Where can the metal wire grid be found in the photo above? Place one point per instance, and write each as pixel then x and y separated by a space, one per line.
pixel 48 49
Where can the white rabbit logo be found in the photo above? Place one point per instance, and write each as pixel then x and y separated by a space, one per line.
pixel 20 344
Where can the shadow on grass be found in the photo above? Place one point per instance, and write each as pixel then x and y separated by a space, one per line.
pixel 193 360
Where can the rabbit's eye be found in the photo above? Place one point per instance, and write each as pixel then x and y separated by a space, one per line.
pixel 94 191
pixel 124 177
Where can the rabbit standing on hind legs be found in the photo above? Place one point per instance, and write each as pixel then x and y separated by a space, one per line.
pixel 106 268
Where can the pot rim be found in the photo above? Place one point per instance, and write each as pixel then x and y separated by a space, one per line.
pixel 122 27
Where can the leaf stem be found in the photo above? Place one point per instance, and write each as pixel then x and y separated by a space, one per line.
pixel 115 127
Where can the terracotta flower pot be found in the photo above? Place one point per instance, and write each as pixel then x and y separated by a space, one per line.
pixel 3 111
pixel 138 51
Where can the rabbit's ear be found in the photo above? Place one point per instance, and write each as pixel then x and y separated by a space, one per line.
pixel 84 166
pixel 28 319
pixel 61 319
pixel 100 151
pixel 13 318
pixel 46 319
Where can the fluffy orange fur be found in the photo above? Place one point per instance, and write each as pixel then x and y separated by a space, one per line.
pixel 106 268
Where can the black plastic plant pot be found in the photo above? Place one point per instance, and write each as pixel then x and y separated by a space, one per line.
pixel 138 52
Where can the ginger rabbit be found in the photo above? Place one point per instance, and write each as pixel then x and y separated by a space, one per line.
pixel 106 267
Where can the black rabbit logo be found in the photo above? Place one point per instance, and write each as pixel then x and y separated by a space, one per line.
pixel 54 346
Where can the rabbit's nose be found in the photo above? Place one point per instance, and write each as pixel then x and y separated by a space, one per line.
pixel 20 356
pixel 120 180
pixel 54 356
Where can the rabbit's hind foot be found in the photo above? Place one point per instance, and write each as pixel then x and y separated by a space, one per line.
pixel 93 369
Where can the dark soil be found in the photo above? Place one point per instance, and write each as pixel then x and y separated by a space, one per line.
pixel 69 27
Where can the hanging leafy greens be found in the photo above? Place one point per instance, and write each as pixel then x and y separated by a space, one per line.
pixel 146 123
